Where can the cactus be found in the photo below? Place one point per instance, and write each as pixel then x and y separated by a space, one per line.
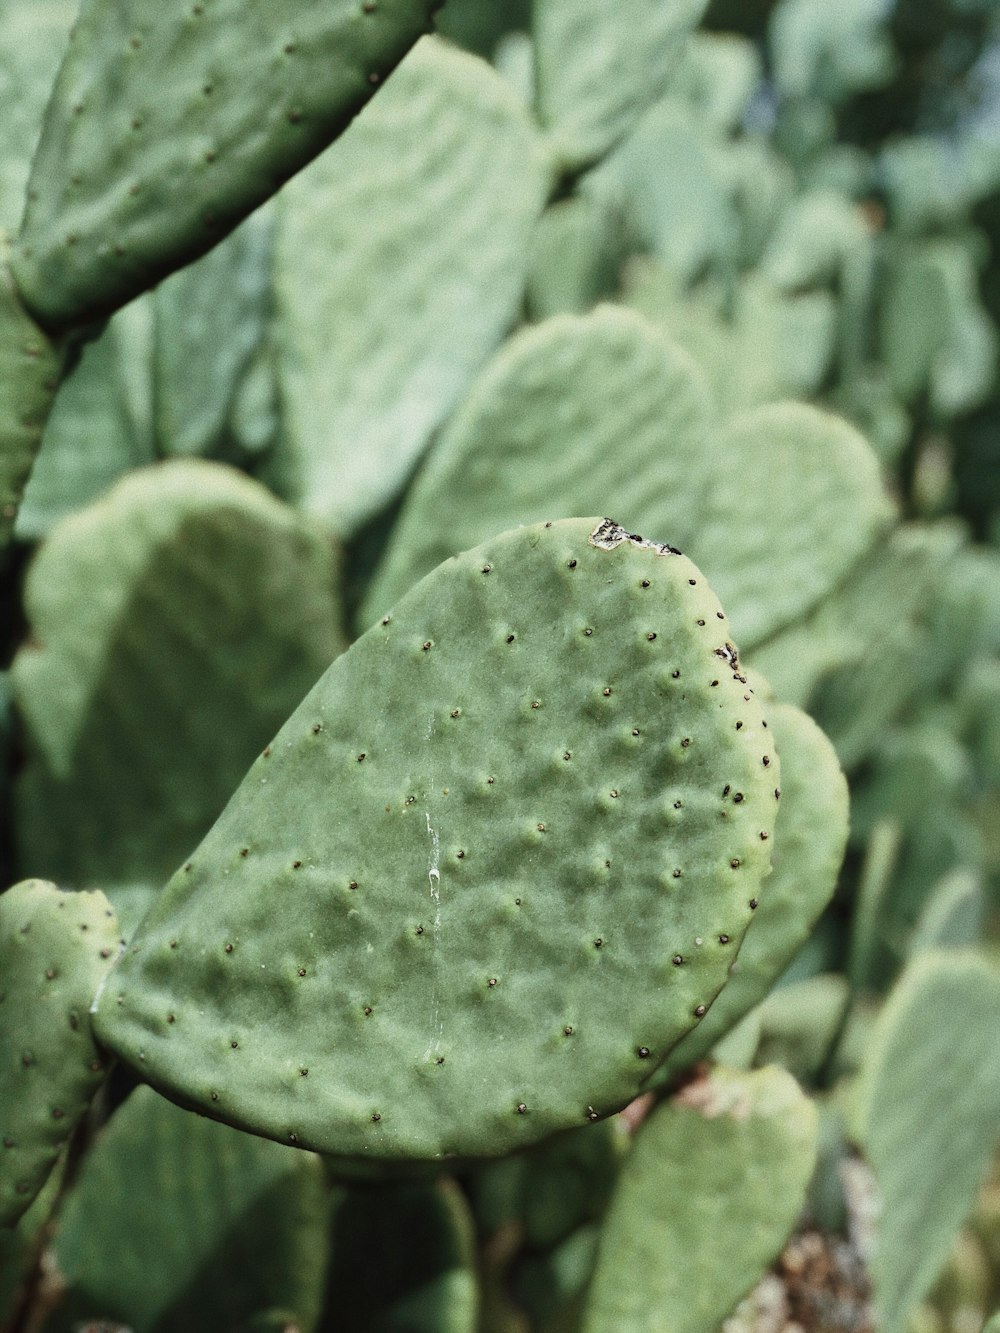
pixel 254 1240
pixel 799 1024
pixel 56 949
pixel 21 1246
pixel 130 580
pixel 597 70
pixel 209 321
pixel 362 389
pixel 953 915
pixel 809 837
pixel 520 437
pixel 927 1147
pixel 386 948
pixel 137 174
pixel 383 982
pixel 744 1146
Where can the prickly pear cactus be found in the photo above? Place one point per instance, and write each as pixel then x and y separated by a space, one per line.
pixel 148 686
pixel 55 951
pixel 363 389
pixel 151 151
pixel 809 839
pixel 599 68
pixel 528 813
pixel 601 409
pixel 742 1146
pixel 926 1114
pixel 176 1222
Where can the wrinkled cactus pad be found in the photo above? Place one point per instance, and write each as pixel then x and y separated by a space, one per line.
pixel 55 950
pixel 720 1169
pixel 809 840
pixel 152 148
pixel 495 865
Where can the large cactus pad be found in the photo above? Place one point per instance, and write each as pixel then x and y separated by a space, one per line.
pixel 55 949
pixel 168 124
pixel 496 864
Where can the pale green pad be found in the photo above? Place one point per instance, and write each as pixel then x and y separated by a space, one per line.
pixel 402 1260
pixel 599 66
pixel 32 42
pixel 600 410
pixel 452 888
pixel 90 438
pixel 799 1023
pixel 210 320
pixel 810 835
pixel 174 625
pixel 705 1200
pixel 401 258
pixel 169 124
pixel 579 412
pixel 953 914
pixel 29 376
pixel 927 1116
pixel 862 634
pixel 179 1223
pixel 794 499
pixel 55 950
pixel 935 336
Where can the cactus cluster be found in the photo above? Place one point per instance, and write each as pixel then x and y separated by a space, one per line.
pixel 435 905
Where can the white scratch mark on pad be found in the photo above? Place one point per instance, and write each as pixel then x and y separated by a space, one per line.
pixel 103 982
pixel 434 877
pixel 434 870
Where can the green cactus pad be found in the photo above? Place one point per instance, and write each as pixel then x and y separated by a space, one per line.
pixel 174 625
pixel 209 321
pixel 598 67
pixel 55 951
pixel 553 1189
pixel 809 840
pixel 953 914
pixel 175 1222
pixel 29 376
pixel 492 869
pixel 858 658
pixel 32 43
pixel 799 1023
pixel 169 125
pixel 578 412
pixel 549 1286
pixel 90 438
pixel 599 410
pixel 401 258
pixel 705 1200
pixel 402 1260
pixel 935 336
pixel 927 1115
pixel 815 505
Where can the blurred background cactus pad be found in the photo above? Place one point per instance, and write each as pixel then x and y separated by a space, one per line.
pixel 500 666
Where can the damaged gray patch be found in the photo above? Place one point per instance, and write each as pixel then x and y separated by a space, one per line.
pixel 608 534
pixel 729 654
